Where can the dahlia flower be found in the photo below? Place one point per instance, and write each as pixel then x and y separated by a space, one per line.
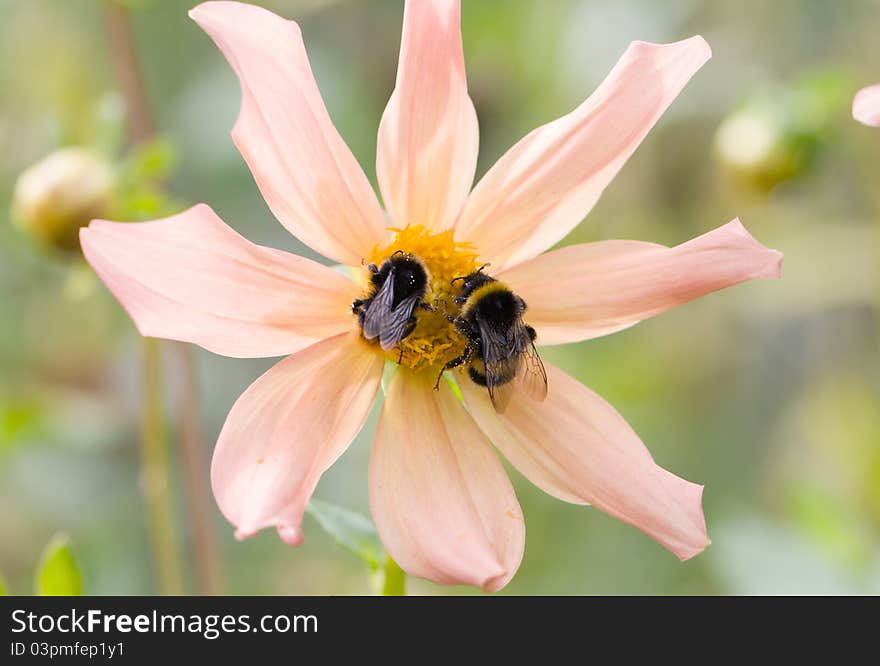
pixel 866 106
pixel 439 495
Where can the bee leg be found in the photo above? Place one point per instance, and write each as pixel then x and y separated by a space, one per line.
pixel 442 306
pixel 454 363
pixel 373 268
pixel 466 328
pixel 400 357
pixel 522 304
pixel 357 305
pixel 531 332
pixel 428 308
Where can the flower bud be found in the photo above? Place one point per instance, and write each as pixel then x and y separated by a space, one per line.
pixel 778 135
pixel 61 193
pixel 754 145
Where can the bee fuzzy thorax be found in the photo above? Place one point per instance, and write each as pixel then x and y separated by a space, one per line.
pixel 494 298
pixel 432 340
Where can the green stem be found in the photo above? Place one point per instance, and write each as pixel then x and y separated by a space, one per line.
pixel 156 475
pixel 393 579
pixel 392 576
pixel 194 462
pixel 156 471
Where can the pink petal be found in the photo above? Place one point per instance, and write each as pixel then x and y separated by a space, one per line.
pixel 545 185
pixel 576 447
pixel 866 106
pixel 288 427
pixel 428 137
pixel 442 502
pixel 306 173
pixel 584 291
pixel 190 277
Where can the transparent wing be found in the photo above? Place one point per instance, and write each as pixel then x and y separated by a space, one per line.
pixel 501 358
pixel 500 394
pixel 380 308
pixel 396 323
pixel 531 374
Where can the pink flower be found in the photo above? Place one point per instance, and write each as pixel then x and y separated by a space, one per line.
pixel 439 495
pixel 866 106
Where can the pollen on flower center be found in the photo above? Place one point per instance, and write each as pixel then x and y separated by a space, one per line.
pixel 434 341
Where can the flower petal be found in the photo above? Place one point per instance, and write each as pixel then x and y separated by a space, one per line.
pixel 287 428
pixel 428 138
pixel 190 277
pixel 584 291
pixel 866 106
pixel 442 502
pixel 576 447
pixel 307 174
pixel 545 185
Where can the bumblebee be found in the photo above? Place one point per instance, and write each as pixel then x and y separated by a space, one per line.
pixel 500 352
pixel 397 288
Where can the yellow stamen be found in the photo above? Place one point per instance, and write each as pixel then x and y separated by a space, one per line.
pixel 435 340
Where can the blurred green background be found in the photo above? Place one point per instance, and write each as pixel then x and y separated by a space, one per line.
pixel 768 393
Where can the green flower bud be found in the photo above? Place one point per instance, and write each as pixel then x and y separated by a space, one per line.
pixel 778 134
pixel 754 145
pixel 61 193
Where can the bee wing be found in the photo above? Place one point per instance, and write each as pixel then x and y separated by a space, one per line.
pixel 500 394
pixel 379 309
pixel 501 360
pixel 531 374
pixel 396 322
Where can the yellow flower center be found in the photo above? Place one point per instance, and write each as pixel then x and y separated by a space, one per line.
pixel 434 341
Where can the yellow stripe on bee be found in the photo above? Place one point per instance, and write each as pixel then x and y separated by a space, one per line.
pixel 480 292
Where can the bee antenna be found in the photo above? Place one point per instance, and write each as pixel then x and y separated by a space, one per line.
pixel 396 252
pixel 454 280
pixel 480 269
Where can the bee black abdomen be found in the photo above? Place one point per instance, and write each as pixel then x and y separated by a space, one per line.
pixel 476 376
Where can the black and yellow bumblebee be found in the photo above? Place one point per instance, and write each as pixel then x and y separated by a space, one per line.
pixel 396 289
pixel 500 352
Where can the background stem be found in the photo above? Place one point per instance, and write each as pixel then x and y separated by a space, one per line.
pixel 156 475
pixel 193 453
pixel 129 76
pixel 394 582
pixel 195 469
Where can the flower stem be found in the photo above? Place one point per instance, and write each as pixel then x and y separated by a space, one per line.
pixel 394 579
pixel 156 475
pixel 128 71
pixel 192 449
pixel 194 459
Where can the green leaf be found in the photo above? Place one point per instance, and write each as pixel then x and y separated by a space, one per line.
pixel 153 160
pixel 3 587
pixel 58 574
pixel 19 417
pixel 351 530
